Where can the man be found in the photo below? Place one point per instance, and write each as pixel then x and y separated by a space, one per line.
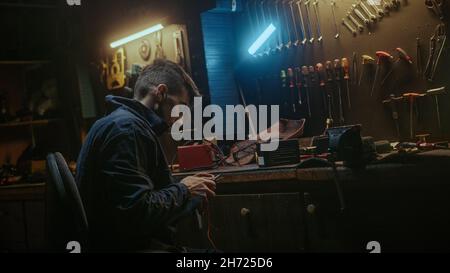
pixel 131 199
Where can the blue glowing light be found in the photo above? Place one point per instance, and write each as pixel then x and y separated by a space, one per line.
pixel 262 39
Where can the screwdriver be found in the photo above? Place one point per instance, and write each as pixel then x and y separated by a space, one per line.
pixel 366 59
pixel 346 68
pixel 381 56
pixel 402 55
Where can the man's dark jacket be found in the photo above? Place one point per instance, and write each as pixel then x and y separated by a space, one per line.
pixel 131 199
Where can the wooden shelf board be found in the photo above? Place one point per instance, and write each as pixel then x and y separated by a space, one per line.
pixel 28 123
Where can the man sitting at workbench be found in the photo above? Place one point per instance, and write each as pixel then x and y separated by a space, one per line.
pixel 130 196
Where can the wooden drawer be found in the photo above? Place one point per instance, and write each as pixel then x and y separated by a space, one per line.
pixel 249 223
pixel 12 225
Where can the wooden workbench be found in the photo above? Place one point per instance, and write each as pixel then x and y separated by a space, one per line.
pixel 402 201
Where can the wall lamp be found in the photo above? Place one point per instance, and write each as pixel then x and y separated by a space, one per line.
pixel 137 35
pixel 261 39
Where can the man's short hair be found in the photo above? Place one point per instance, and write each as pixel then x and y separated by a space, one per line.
pixel 166 72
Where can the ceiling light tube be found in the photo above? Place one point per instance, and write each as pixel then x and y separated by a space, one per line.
pixel 137 35
pixel 261 39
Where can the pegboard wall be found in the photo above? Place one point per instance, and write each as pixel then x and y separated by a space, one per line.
pixel 260 76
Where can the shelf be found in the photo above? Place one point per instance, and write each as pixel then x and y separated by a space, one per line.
pixel 30 62
pixel 29 123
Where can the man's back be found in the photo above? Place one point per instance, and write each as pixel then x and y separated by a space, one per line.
pixel 124 180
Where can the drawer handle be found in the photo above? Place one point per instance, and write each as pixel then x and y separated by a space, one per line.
pixel 245 212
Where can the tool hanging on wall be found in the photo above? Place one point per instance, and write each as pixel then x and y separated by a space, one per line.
pixel 346 69
pixel 284 85
pixel 179 49
pixel 438 7
pixel 280 32
pixel 114 70
pixel 437 45
pixel 382 57
pixel 330 96
pixel 387 7
pixel 291 80
pixel 308 19
pixel 355 22
pixel 159 52
pixel 273 41
pixel 419 57
pixel 338 75
pixel 392 103
pixel 250 19
pixel 361 16
pixel 267 49
pixel 435 93
pixel 372 16
pixel 376 9
pixel 366 61
pixel 302 22
pixel 402 56
pixel 289 43
pixel 336 27
pixel 323 90
pixel 145 50
pixel 349 27
pixel 319 30
pixel 298 83
pixel 411 97
pixel 305 84
pixel 354 73
pixel 294 24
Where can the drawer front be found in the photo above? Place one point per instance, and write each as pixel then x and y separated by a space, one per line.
pixel 12 225
pixel 249 223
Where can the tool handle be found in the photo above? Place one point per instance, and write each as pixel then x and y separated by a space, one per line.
pixel 346 67
pixel 403 55
pixel 382 55
pixel 436 91
pixel 283 78
pixel 320 74
pixel 337 69
pixel 290 75
pixel 329 71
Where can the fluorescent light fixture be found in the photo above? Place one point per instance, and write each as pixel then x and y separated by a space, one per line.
pixel 261 39
pixel 137 35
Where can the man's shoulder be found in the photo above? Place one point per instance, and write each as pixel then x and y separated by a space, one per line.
pixel 120 123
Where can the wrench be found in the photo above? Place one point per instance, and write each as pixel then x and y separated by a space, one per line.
pixel 367 11
pixel 299 7
pixel 333 5
pixel 280 34
pixel 288 29
pixel 349 27
pixel 297 41
pixel 355 22
pixel 319 31
pixel 273 43
pixel 377 10
pixel 263 16
pixel 311 34
pixel 360 15
pixel 250 19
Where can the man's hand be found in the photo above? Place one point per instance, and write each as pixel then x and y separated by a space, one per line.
pixel 201 184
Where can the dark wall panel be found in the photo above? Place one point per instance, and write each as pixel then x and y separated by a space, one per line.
pixel 399 29
pixel 219 43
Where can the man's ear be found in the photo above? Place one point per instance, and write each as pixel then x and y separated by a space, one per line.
pixel 161 92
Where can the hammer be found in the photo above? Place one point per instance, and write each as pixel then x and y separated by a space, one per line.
pixel 412 97
pixel 435 93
